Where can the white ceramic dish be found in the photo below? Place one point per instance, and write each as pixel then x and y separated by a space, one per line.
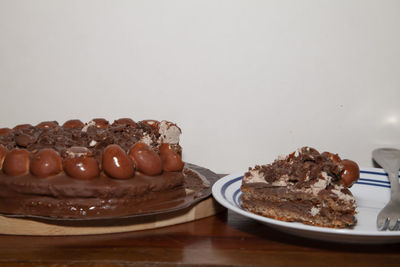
pixel 372 192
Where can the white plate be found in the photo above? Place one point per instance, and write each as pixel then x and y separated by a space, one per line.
pixel 372 192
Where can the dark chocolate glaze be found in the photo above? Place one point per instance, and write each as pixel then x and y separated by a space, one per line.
pixel 62 197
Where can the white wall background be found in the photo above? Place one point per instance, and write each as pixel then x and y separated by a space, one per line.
pixel 245 80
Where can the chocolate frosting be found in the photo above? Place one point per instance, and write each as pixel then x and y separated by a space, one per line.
pixel 65 198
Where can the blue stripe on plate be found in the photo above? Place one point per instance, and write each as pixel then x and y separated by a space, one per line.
pixel 375 173
pixel 226 185
pixel 236 197
pixel 372 180
pixel 380 185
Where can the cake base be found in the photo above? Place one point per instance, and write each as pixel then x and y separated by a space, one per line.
pixel 68 199
pixel 279 203
pixel 203 207
pixel 17 226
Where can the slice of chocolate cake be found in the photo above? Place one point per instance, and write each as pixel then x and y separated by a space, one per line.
pixel 305 186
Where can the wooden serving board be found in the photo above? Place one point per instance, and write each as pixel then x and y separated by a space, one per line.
pixel 18 226
pixel 53 227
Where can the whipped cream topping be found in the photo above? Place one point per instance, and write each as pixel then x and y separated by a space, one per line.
pixel 322 183
pixel 72 154
pixel 314 211
pixel 146 139
pixel 255 176
pixel 338 190
pixel 87 125
pixel 92 143
pixel 169 133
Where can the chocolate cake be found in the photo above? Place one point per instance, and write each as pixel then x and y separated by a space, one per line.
pixel 93 170
pixel 304 186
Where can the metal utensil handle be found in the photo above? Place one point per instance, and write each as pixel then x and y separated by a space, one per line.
pixel 394 185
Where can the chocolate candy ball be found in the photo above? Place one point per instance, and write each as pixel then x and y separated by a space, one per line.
pixel 47 124
pixel 80 164
pixel 21 126
pixel 3 154
pixel 47 162
pixel 172 162
pixel 73 124
pixel 16 162
pixel 124 121
pixel 350 172
pixel 100 123
pixel 5 131
pixel 146 160
pixel 152 123
pixel 81 168
pixel 24 140
pixel 116 162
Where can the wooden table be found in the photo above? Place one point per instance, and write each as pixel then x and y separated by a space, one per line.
pixel 226 239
